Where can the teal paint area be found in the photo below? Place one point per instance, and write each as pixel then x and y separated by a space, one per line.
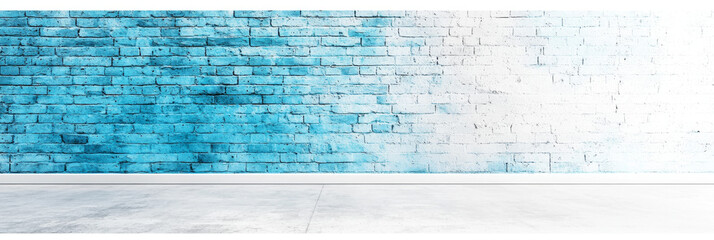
pixel 201 92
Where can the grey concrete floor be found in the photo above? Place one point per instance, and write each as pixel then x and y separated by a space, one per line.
pixel 357 208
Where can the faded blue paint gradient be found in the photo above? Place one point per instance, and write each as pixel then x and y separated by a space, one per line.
pixel 355 91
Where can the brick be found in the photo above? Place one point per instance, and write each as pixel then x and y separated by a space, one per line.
pixel 373 60
pixel 36 167
pixel 264 32
pixel 87 61
pixel 94 32
pixel 51 22
pixel 8 80
pixel 228 41
pixel 265 14
pixel 13 22
pixel 59 32
pixel 93 168
pixel 47 14
pixel 258 42
pixel 327 13
pixel 12 14
pixel 74 139
pixel 288 22
pixel 19 31
pixel 29 158
pixel 340 41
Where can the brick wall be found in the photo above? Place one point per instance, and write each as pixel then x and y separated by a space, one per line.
pixel 355 91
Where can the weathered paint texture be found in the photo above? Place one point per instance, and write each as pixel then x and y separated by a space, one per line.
pixel 355 91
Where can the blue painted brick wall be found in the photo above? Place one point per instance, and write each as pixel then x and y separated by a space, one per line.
pixel 353 91
pixel 189 91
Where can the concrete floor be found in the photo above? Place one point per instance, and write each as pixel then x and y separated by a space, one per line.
pixel 357 208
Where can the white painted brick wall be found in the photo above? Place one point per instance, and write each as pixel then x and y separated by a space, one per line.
pixel 561 91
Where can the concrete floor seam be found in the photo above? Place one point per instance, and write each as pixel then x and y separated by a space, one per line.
pixel 314 208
